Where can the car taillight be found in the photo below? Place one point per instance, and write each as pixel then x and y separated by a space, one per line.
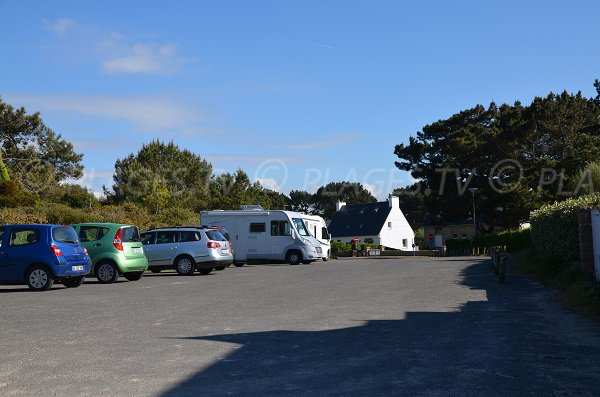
pixel 117 242
pixel 213 244
pixel 56 251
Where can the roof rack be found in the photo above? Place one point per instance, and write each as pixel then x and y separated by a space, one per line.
pixel 179 227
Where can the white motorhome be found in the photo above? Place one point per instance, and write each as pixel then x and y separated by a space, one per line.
pixel 318 228
pixel 272 235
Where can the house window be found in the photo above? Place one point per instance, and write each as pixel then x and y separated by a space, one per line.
pixel 454 235
pixel 404 243
pixel 389 225
pixel 257 228
pixel 464 235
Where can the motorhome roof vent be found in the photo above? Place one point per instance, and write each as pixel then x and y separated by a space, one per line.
pixel 251 207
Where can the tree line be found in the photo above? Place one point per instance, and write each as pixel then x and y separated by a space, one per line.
pixel 36 163
pixel 517 156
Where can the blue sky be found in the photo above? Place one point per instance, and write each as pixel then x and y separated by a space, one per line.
pixel 295 93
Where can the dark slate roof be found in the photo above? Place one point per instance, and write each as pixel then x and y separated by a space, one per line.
pixel 359 219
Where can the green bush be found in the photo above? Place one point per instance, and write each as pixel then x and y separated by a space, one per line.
pixel 338 246
pixel 21 215
pixel 513 240
pixel 554 227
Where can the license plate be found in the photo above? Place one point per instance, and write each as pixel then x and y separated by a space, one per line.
pixel 225 251
pixel 77 268
pixel 136 250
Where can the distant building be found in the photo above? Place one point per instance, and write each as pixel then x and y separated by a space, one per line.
pixel 381 223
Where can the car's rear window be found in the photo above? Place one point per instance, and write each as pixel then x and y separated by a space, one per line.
pixel 215 235
pixel 65 234
pixel 130 234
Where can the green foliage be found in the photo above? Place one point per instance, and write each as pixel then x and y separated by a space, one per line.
pixel 338 246
pixel 34 154
pixel 554 227
pixel 178 177
pixel 21 215
pixel 513 240
pixel 327 196
pixel 76 196
pixel 420 238
pixel 551 140
pixel 588 179
pixel 301 201
pixel 12 195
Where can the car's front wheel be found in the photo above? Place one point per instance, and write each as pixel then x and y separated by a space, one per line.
pixel 185 265
pixel 39 278
pixel 133 276
pixel 106 272
pixel 73 282
pixel 294 257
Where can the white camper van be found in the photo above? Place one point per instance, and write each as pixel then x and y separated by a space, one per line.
pixel 266 235
pixel 318 228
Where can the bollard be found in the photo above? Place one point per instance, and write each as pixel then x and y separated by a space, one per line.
pixel 493 255
pixel 502 269
pixel 499 254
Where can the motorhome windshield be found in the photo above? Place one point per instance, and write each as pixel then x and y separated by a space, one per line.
pixel 300 227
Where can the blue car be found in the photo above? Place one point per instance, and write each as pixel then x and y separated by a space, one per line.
pixel 39 255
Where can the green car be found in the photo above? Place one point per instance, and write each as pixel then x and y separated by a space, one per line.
pixel 114 249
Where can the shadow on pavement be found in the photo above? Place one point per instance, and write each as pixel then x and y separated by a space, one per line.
pixel 500 345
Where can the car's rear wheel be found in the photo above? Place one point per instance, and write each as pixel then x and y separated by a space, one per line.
pixel 133 276
pixel 185 265
pixel 106 272
pixel 294 257
pixel 39 278
pixel 205 271
pixel 73 282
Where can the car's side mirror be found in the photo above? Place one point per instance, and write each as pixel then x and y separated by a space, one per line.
pixel 293 234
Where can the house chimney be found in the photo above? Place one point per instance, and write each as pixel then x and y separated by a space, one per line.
pixel 394 201
pixel 339 205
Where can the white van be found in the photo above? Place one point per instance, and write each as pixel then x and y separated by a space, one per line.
pixel 272 235
pixel 318 228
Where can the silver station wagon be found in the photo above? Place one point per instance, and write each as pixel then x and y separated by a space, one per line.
pixel 186 249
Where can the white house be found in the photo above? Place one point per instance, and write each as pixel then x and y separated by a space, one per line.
pixel 381 223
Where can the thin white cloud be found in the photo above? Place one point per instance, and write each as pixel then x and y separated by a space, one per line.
pixel 169 117
pixel 115 52
pixel 313 143
pixel 60 26
pixel 320 45
pixel 269 183
pixel 143 58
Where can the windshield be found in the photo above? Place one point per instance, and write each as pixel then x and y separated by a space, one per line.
pixel 300 227
pixel 64 234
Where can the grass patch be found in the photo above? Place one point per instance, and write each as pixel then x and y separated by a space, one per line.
pixel 577 291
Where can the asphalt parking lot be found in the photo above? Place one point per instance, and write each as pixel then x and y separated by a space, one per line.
pixel 403 326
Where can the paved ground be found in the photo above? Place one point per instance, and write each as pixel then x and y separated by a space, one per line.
pixel 367 327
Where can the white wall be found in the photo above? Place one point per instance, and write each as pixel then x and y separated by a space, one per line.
pixel 400 230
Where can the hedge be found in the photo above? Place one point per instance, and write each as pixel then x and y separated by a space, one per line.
pixel 513 240
pixel 62 214
pixel 554 227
